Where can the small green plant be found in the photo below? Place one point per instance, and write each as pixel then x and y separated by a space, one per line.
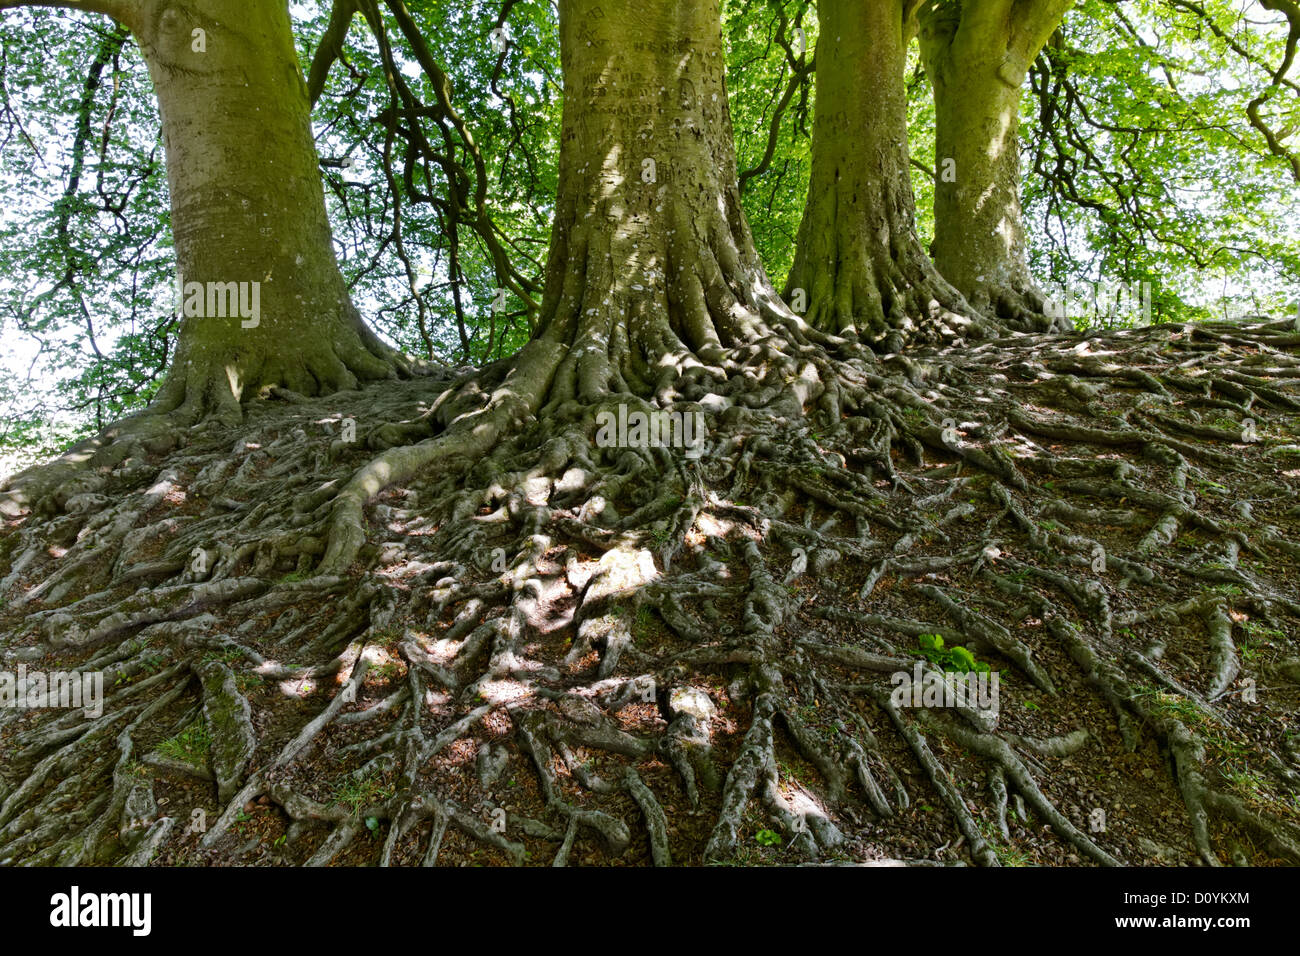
pixel 189 746
pixel 767 838
pixel 952 659
pixel 358 792
pixel 387 670
pixel 231 655
pixel 1166 704
pixel 1257 639
pixel 1211 486
pixel 1247 783
pixel 150 665
pixel 1007 855
pixel 788 772
pixel 643 621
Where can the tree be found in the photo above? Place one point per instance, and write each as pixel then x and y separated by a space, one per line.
pixel 858 261
pixel 977 54
pixel 264 303
pixel 653 286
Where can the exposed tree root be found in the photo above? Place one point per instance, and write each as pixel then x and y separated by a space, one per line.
pixel 507 644
pixel 194 400
pixel 1018 303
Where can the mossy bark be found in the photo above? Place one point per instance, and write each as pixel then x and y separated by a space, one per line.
pixel 652 266
pixel 248 206
pixel 977 55
pixel 858 259
pixel 653 284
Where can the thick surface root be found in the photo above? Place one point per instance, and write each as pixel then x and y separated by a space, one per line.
pixel 522 647
pixel 197 397
pixel 1019 305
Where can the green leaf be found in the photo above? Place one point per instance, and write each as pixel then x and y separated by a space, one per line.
pixel 962 659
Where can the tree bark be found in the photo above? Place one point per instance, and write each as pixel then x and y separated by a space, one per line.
pixel 977 55
pixel 654 289
pixel 250 228
pixel 858 260
pixel 650 253
pixel 248 206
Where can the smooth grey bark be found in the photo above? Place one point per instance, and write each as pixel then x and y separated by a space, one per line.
pixel 858 258
pixel 247 206
pixel 977 54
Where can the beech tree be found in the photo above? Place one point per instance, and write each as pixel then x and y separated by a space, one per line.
pixel 249 224
pixel 690 576
pixel 652 282
pixel 858 260
pixel 977 54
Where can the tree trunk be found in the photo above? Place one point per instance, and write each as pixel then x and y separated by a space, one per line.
pixel 650 253
pixel 654 290
pixel 977 56
pixel 858 260
pixel 264 302
pixel 247 207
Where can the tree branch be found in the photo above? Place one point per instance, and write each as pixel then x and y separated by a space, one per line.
pixel 1035 21
pixel 801 68
pixel 117 9
pixel 331 46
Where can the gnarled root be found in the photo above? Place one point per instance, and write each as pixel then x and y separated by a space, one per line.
pixel 551 651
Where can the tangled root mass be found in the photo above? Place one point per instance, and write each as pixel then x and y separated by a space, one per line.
pixel 560 652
